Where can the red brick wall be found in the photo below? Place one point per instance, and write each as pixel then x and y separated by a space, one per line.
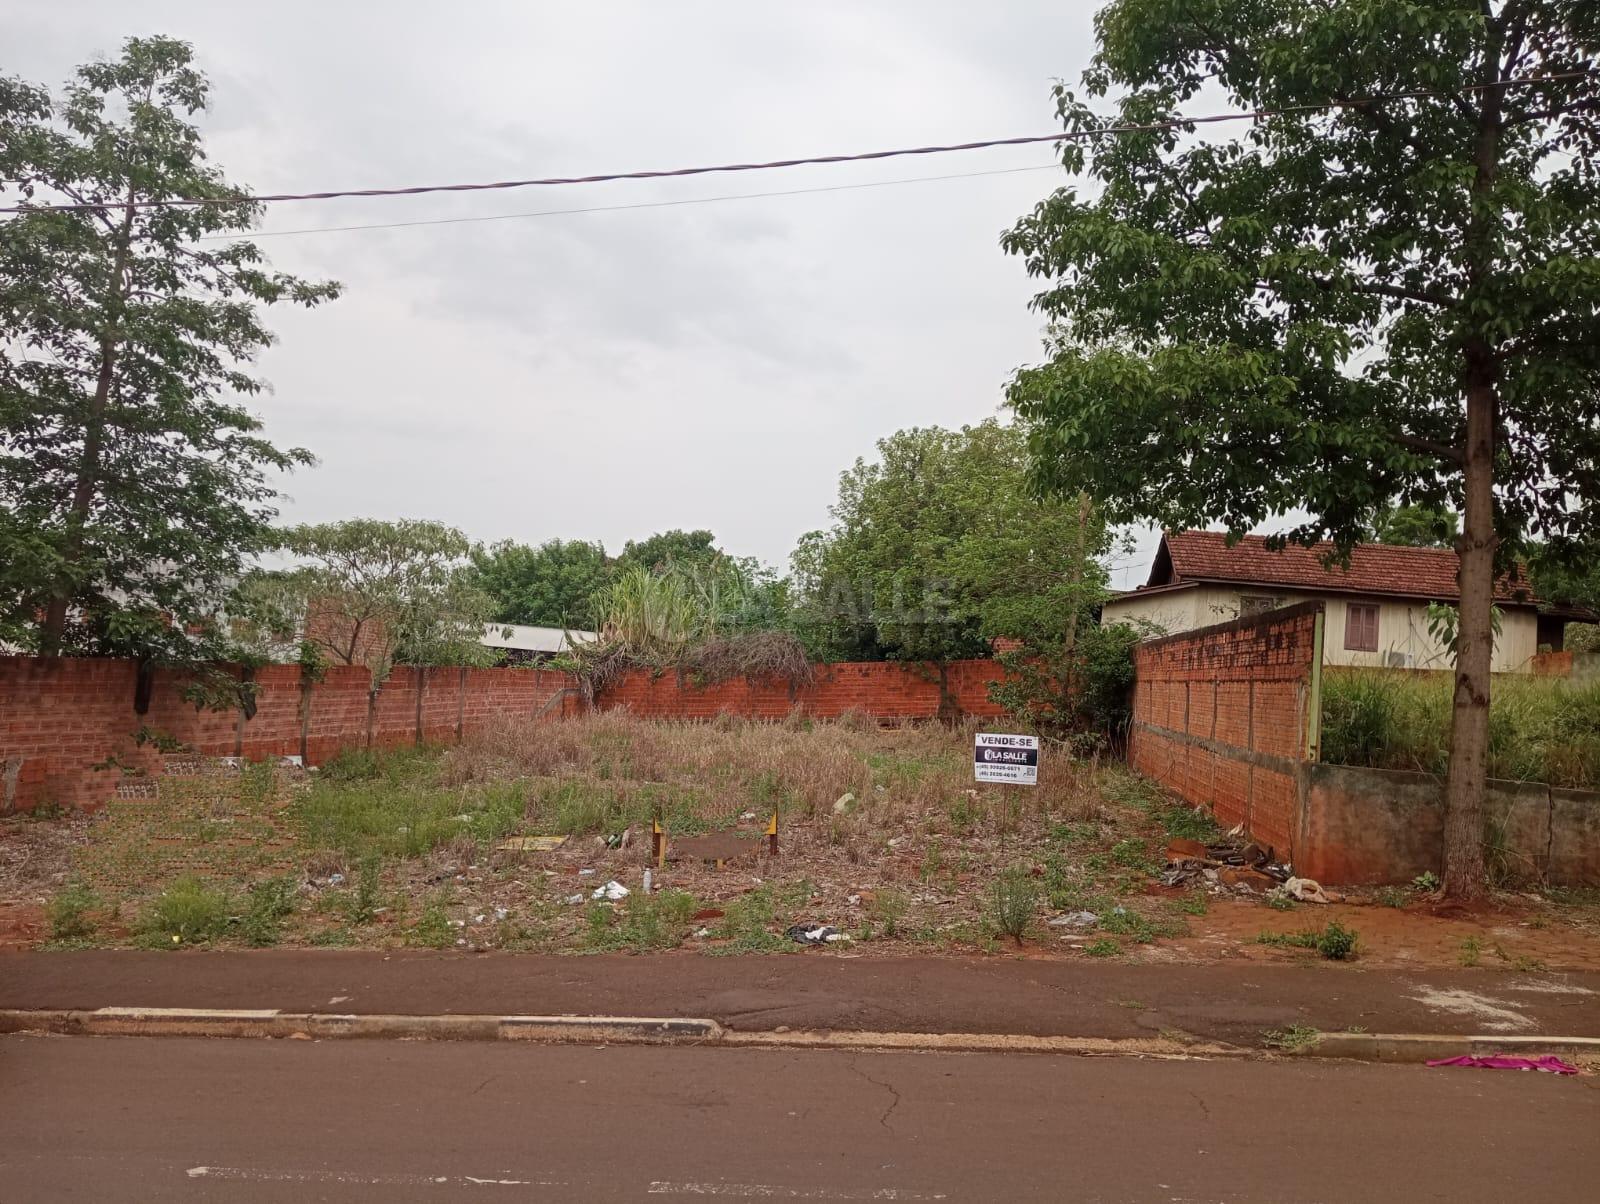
pixel 881 690
pixel 1221 716
pixel 61 721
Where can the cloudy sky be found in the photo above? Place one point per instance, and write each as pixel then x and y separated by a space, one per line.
pixel 608 374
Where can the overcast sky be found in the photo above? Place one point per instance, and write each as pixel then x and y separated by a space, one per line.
pixel 605 375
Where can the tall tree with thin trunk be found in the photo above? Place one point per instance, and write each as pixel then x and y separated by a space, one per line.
pixel 1385 286
pixel 133 483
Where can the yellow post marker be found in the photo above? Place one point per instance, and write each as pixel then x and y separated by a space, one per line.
pixel 772 834
pixel 658 843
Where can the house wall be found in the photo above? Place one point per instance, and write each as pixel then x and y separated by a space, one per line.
pixel 1403 638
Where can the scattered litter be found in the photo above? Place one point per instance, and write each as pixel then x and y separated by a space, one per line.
pixel 1074 919
pixel 501 913
pixel 463 818
pixel 1181 849
pixel 842 804
pixel 1547 1063
pixel 854 900
pixel 1236 830
pixel 584 873
pixel 612 890
pixel 747 815
pixel 481 918
pixel 1306 890
pixel 702 933
pixel 335 879
pixel 620 840
pixel 574 900
pixel 815 934
pixel 645 888
pixel 1247 879
pixel 458 923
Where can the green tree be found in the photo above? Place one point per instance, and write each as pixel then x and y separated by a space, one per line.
pixel 675 547
pixel 939 546
pixel 1416 527
pixel 1385 285
pixel 368 592
pixel 132 482
pixel 552 585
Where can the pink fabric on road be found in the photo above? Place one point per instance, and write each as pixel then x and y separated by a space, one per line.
pixel 1551 1065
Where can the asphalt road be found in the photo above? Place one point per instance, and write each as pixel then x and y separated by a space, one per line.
pixel 129 1119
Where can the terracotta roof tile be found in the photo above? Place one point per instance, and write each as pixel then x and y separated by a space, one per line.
pixel 1374 568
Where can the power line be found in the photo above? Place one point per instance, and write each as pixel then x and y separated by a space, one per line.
pixel 697 200
pixel 949 148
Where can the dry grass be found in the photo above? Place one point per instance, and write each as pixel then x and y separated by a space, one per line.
pixel 883 833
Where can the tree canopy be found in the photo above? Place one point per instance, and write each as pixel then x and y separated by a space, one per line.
pixel 368 592
pixel 551 585
pixel 1386 285
pixel 1416 527
pixel 938 546
pixel 133 483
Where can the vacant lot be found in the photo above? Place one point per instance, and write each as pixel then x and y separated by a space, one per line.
pixel 881 833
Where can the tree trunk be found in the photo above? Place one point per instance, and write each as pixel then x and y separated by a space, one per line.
pixel 1468 774
pixel 1469 720
pixel 88 482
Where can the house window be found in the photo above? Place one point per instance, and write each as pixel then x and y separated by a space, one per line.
pixel 1361 627
pixel 1255 604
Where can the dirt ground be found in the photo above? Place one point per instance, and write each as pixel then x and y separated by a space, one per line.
pixel 881 836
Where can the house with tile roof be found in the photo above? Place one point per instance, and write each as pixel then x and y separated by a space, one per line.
pixel 1376 606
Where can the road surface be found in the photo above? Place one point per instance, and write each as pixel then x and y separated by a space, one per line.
pixel 129 1119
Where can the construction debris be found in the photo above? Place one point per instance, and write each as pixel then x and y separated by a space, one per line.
pixel 1079 920
pixel 815 934
pixel 1306 890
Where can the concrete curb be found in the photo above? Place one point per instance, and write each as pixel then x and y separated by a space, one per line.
pixel 652 1030
pixel 1427 1047
pixel 203 1022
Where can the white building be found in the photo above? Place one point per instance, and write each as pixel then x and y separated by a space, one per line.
pixel 1377 608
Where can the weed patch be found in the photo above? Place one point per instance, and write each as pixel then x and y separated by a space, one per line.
pixel 68 912
pixel 1293 1039
pixel 189 912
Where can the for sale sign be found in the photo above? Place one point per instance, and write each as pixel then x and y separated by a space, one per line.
pixel 1000 758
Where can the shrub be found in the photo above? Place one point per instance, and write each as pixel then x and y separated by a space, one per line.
pixel 268 904
pixel 364 900
pixel 189 912
pixel 1336 942
pixel 433 929
pixel 1012 899
pixel 889 907
pixel 69 912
